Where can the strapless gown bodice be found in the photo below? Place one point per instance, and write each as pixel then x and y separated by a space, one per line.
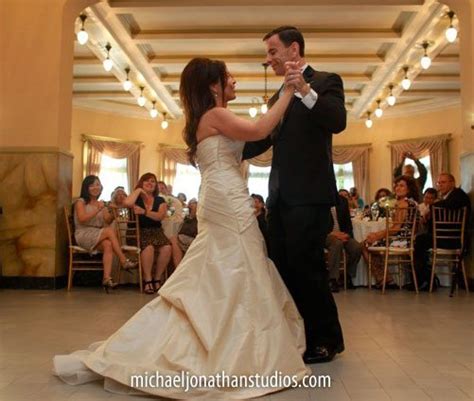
pixel 223 196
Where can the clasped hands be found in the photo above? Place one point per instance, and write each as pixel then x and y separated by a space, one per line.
pixel 408 155
pixel 294 78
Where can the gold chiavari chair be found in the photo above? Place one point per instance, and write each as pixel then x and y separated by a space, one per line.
pixel 128 233
pixel 398 250
pixel 79 258
pixel 448 241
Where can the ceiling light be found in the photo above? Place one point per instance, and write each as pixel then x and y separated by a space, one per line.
pixel 141 99
pixel 127 84
pixel 164 123
pixel 264 107
pixel 425 60
pixel 406 83
pixel 391 99
pixel 368 122
pixel 378 111
pixel 82 35
pixel 153 111
pixel 108 63
pixel 451 33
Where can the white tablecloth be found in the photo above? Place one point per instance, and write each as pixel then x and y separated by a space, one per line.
pixel 361 229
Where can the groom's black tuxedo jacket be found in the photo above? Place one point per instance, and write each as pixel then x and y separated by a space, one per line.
pixel 302 169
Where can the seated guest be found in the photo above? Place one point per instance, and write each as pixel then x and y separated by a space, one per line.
pixel 382 193
pixel 345 193
pixel 163 189
pixel 451 198
pixel 117 198
pixel 182 198
pixel 409 170
pixel 175 207
pixel 261 214
pixel 406 193
pixel 341 237
pixel 188 231
pixel 429 197
pixel 92 230
pixel 356 202
pixel 155 247
pixel 375 207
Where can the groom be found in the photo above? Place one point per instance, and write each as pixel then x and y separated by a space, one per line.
pixel 302 189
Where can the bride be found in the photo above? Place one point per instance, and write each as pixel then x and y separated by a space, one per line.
pixel 225 309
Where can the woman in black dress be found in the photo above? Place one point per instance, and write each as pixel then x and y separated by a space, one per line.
pixel 155 247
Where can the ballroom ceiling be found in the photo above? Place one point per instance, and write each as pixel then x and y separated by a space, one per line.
pixel 367 42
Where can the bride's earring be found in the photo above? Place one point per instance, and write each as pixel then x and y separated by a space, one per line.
pixel 214 94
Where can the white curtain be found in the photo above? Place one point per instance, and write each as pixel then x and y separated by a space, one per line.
pixel 436 146
pixel 358 155
pixel 94 147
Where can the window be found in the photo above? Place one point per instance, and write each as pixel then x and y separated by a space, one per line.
pixel 187 181
pixel 344 176
pixel 427 163
pixel 113 172
pixel 258 180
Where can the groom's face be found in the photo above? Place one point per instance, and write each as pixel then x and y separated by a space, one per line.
pixel 278 54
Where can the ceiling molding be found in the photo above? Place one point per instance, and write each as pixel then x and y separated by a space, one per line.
pixel 216 33
pixel 137 60
pixel 422 24
pixel 174 79
pixel 316 59
pixel 391 4
pixel 366 42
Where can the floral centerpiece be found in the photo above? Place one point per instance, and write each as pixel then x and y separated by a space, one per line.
pixel 170 204
pixel 388 203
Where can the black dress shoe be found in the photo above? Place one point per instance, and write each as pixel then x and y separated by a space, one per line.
pixel 321 354
pixel 333 286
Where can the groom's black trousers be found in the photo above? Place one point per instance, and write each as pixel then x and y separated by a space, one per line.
pixel 297 236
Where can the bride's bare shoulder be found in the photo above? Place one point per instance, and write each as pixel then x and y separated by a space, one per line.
pixel 207 124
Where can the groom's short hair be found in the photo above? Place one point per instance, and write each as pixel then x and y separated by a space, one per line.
pixel 288 34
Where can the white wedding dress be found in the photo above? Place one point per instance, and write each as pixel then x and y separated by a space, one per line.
pixel 225 308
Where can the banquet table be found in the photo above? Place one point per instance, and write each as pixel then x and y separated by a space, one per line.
pixel 361 229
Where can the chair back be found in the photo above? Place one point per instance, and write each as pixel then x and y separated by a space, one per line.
pixel 448 227
pixel 68 217
pixel 401 224
pixel 127 226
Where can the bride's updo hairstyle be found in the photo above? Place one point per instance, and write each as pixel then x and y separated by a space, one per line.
pixel 196 96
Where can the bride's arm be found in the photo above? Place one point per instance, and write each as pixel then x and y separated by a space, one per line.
pixel 228 124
